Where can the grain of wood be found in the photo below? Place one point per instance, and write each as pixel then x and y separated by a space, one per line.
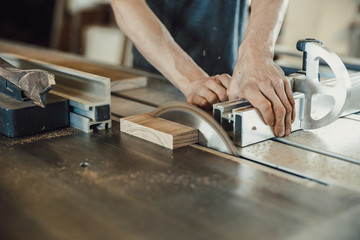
pixel 159 131
pixel 126 84
pixel 66 60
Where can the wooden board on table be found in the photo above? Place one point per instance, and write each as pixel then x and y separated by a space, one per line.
pixel 122 107
pixel 159 131
pixel 126 84
pixel 68 60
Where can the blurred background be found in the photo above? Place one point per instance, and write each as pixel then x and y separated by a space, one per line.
pixel 87 27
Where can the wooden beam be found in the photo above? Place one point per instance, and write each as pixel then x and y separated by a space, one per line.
pixel 159 131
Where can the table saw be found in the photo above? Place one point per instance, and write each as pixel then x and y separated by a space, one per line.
pixel 91 181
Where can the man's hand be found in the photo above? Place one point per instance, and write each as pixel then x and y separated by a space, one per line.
pixel 260 81
pixel 209 90
pixel 256 77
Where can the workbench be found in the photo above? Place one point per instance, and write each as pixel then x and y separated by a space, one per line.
pixel 67 184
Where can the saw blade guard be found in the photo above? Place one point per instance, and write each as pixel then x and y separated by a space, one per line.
pixel 212 134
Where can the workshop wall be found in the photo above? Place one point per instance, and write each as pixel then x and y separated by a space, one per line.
pixel 331 21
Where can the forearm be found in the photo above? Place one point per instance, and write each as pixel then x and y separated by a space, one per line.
pixel 155 43
pixel 264 26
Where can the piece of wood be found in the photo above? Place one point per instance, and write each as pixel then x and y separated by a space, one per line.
pixel 122 107
pixel 127 84
pixel 159 131
pixel 67 60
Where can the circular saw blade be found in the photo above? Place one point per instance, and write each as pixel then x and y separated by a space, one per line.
pixel 212 135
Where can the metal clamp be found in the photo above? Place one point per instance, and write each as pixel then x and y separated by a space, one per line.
pixel 339 88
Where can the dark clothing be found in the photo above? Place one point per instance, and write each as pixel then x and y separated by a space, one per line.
pixel 210 31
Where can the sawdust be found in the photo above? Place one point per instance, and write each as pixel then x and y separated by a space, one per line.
pixel 158 180
pixel 13 142
pixel 89 174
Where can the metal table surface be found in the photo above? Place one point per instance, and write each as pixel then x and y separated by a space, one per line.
pixel 106 185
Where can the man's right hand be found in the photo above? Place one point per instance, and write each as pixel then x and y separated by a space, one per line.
pixel 209 90
pixel 260 81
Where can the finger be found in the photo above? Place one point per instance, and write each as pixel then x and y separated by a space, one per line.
pixel 216 87
pixel 259 101
pixel 290 97
pixel 213 91
pixel 199 101
pixel 288 93
pixel 225 79
pixel 279 112
pixel 280 91
pixel 210 96
pixel 234 94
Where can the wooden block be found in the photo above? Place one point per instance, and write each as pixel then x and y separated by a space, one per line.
pixel 158 130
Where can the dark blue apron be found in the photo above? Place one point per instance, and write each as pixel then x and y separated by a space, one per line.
pixel 210 31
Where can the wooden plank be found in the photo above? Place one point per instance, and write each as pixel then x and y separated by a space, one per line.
pixel 159 131
pixel 126 84
pixel 156 93
pixel 122 107
pixel 66 60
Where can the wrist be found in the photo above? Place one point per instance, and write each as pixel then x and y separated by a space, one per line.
pixel 256 48
pixel 186 80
